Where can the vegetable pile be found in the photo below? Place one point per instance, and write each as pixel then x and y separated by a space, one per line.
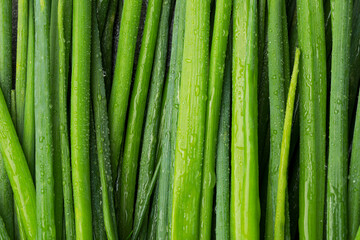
pixel 180 119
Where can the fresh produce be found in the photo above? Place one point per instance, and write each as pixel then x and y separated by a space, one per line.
pixel 245 203
pixel 80 117
pixel 178 119
pixel 312 93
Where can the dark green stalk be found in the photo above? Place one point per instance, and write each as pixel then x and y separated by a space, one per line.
pixel 102 132
pixel 120 90
pixel 245 204
pixel 353 183
pixel 79 117
pixel 101 12
pixel 312 92
pixel 29 121
pixel 107 43
pixel 336 227
pixel 64 37
pixel 17 171
pixel 281 200
pixel 154 215
pixel 150 136
pixel 354 59
pixel 98 224
pixel 279 75
pixel 214 93
pixel 6 199
pixel 54 73
pixel 45 201
pixel 135 118
pixel 164 146
pixel 144 208
pixel 222 221
pixel 21 54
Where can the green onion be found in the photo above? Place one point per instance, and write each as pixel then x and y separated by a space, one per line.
pixel 336 227
pixel 191 123
pixel 107 43
pixel 102 132
pixel 216 74
pixel 21 54
pixel 279 75
pixel 279 232
pixel 222 206
pixel 17 170
pixel 353 183
pixel 54 73
pixel 101 11
pixel 98 224
pixel 175 73
pixel 79 117
pixel 144 207
pixel 150 136
pixel 354 59
pixel 312 92
pixel 64 37
pixel 135 118
pixel 43 125
pixel 245 204
pixel 6 199
pixel 119 97
pixel 29 121
pixel 164 148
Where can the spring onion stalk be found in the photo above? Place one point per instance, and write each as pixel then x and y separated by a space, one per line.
pixel 135 118
pixel 150 135
pixel 6 199
pixel 144 207
pixel 21 56
pixel 5 49
pixel 29 121
pixel 45 199
pixel 216 75
pixel 279 232
pixel 79 117
pixel 336 227
pixel 245 205
pixel 279 75
pixel 3 232
pixel 191 123
pixel 102 132
pixel 353 183
pixel 64 43
pixel 222 221
pixel 164 145
pixel 17 170
pixel 98 225
pixel 312 82
pixel 107 43
pixel 354 59
pixel 54 73
pixel 176 75
pixel 120 90
pixel 153 215
pixel 101 13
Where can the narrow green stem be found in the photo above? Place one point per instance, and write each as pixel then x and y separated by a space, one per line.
pixel 79 117
pixel 284 157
